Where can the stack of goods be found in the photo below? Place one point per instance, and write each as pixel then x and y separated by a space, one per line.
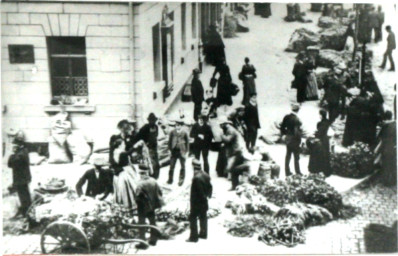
pixel 286 208
pixel 334 38
pixel 301 39
pixel 53 186
pixel 356 163
pixel 327 22
pixel 230 26
pixel 241 22
pixel 329 58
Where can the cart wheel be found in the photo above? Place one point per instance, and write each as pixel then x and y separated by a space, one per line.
pixel 32 208
pixel 64 237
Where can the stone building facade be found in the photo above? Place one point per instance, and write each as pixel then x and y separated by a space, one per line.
pixel 106 61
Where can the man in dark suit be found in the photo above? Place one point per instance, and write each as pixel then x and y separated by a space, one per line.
pixel 291 128
pixel 179 149
pixel 149 197
pixel 202 135
pixel 197 93
pixel 21 177
pixel 149 134
pixel 201 190
pixel 252 121
pixel 99 182
pixel 391 45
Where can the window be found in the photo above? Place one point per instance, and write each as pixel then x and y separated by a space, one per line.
pixel 156 52
pixel 183 26
pixel 193 20
pixel 21 54
pixel 68 68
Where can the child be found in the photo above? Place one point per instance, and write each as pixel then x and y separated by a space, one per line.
pixel 209 105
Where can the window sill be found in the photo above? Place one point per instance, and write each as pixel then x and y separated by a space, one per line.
pixel 87 109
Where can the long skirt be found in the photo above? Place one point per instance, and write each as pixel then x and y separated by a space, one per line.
pixel 249 87
pixel 311 90
pixel 124 186
pixel 224 96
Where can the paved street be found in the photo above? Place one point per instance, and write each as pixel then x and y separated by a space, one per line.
pixel 264 45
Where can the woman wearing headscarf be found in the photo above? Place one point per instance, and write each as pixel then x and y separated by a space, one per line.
pixel 247 75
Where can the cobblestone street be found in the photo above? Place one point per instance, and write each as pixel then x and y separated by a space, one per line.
pixel 265 47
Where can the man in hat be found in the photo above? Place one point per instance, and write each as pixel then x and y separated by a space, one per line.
pixel 391 45
pixel 291 128
pixel 99 181
pixel 21 176
pixel 335 92
pixel 149 198
pixel 197 93
pixel 149 134
pixel 252 121
pixel 238 120
pixel 201 190
pixel 300 73
pixel 202 135
pixel 235 146
pixel 179 149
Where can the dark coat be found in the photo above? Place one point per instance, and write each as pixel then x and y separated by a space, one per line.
pixel 197 91
pixel 19 163
pixel 224 88
pixel 251 117
pixel 291 127
pixel 149 134
pixel 95 186
pixel 204 130
pixel 128 141
pixel 391 41
pixel 149 195
pixel 201 190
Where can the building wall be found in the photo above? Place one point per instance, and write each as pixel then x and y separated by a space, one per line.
pixel 149 15
pixel 25 94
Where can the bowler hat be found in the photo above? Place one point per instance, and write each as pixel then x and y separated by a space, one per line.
pixel 196 71
pixel 152 117
pixel 295 107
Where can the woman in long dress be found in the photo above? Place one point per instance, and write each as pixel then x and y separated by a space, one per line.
pixel 311 90
pixel 224 95
pixel 247 75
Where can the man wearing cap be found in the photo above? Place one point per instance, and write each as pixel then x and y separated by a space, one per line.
pixel 252 121
pixel 21 176
pixel 99 181
pixel 201 190
pixel 202 135
pixel 197 93
pixel 291 128
pixel 149 134
pixel 179 149
pixel 234 145
pixel 335 92
pixel 149 198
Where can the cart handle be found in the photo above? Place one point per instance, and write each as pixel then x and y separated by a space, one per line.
pixel 125 241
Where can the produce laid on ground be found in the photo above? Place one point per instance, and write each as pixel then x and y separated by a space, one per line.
pixel 280 210
pixel 356 163
pixel 301 39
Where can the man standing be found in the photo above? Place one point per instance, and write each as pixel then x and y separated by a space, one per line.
pixel 374 22
pixel 252 121
pixel 99 183
pixel 235 146
pixel 21 177
pixel 197 93
pixel 149 134
pixel 179 149
pixel 291 128
pixel 201 190
pixel 202 135
pixel 300 73
pixel 379 29
pixel 390 47
pixel 238 121
pixel 148 198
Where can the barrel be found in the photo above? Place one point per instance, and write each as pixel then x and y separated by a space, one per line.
pixel 264 170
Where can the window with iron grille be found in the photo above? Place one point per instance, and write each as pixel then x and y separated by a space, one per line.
pixel 68 67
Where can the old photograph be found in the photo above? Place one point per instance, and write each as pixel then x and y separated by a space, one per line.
pixel 198 127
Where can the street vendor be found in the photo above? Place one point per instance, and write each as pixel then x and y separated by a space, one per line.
pixel 98 181
pixel 149 198
pixel 125 135
pixel 21 177
pixel 201 190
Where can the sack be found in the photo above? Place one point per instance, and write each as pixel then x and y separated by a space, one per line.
pixel 79 147
pixel 213 82
pixel 234 89
pixel 57 152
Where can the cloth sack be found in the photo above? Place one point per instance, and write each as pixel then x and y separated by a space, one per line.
pixel 79 147
pixel 57 152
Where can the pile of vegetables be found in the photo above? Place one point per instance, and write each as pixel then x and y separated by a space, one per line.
pixel 286 208
pixel 356 163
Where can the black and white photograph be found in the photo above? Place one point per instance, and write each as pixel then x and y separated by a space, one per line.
pixel 198 127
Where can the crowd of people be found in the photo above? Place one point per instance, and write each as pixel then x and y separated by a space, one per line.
pixel 139 190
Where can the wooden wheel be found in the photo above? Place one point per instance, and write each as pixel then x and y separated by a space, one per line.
pixel 64 237
pixel 30 213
